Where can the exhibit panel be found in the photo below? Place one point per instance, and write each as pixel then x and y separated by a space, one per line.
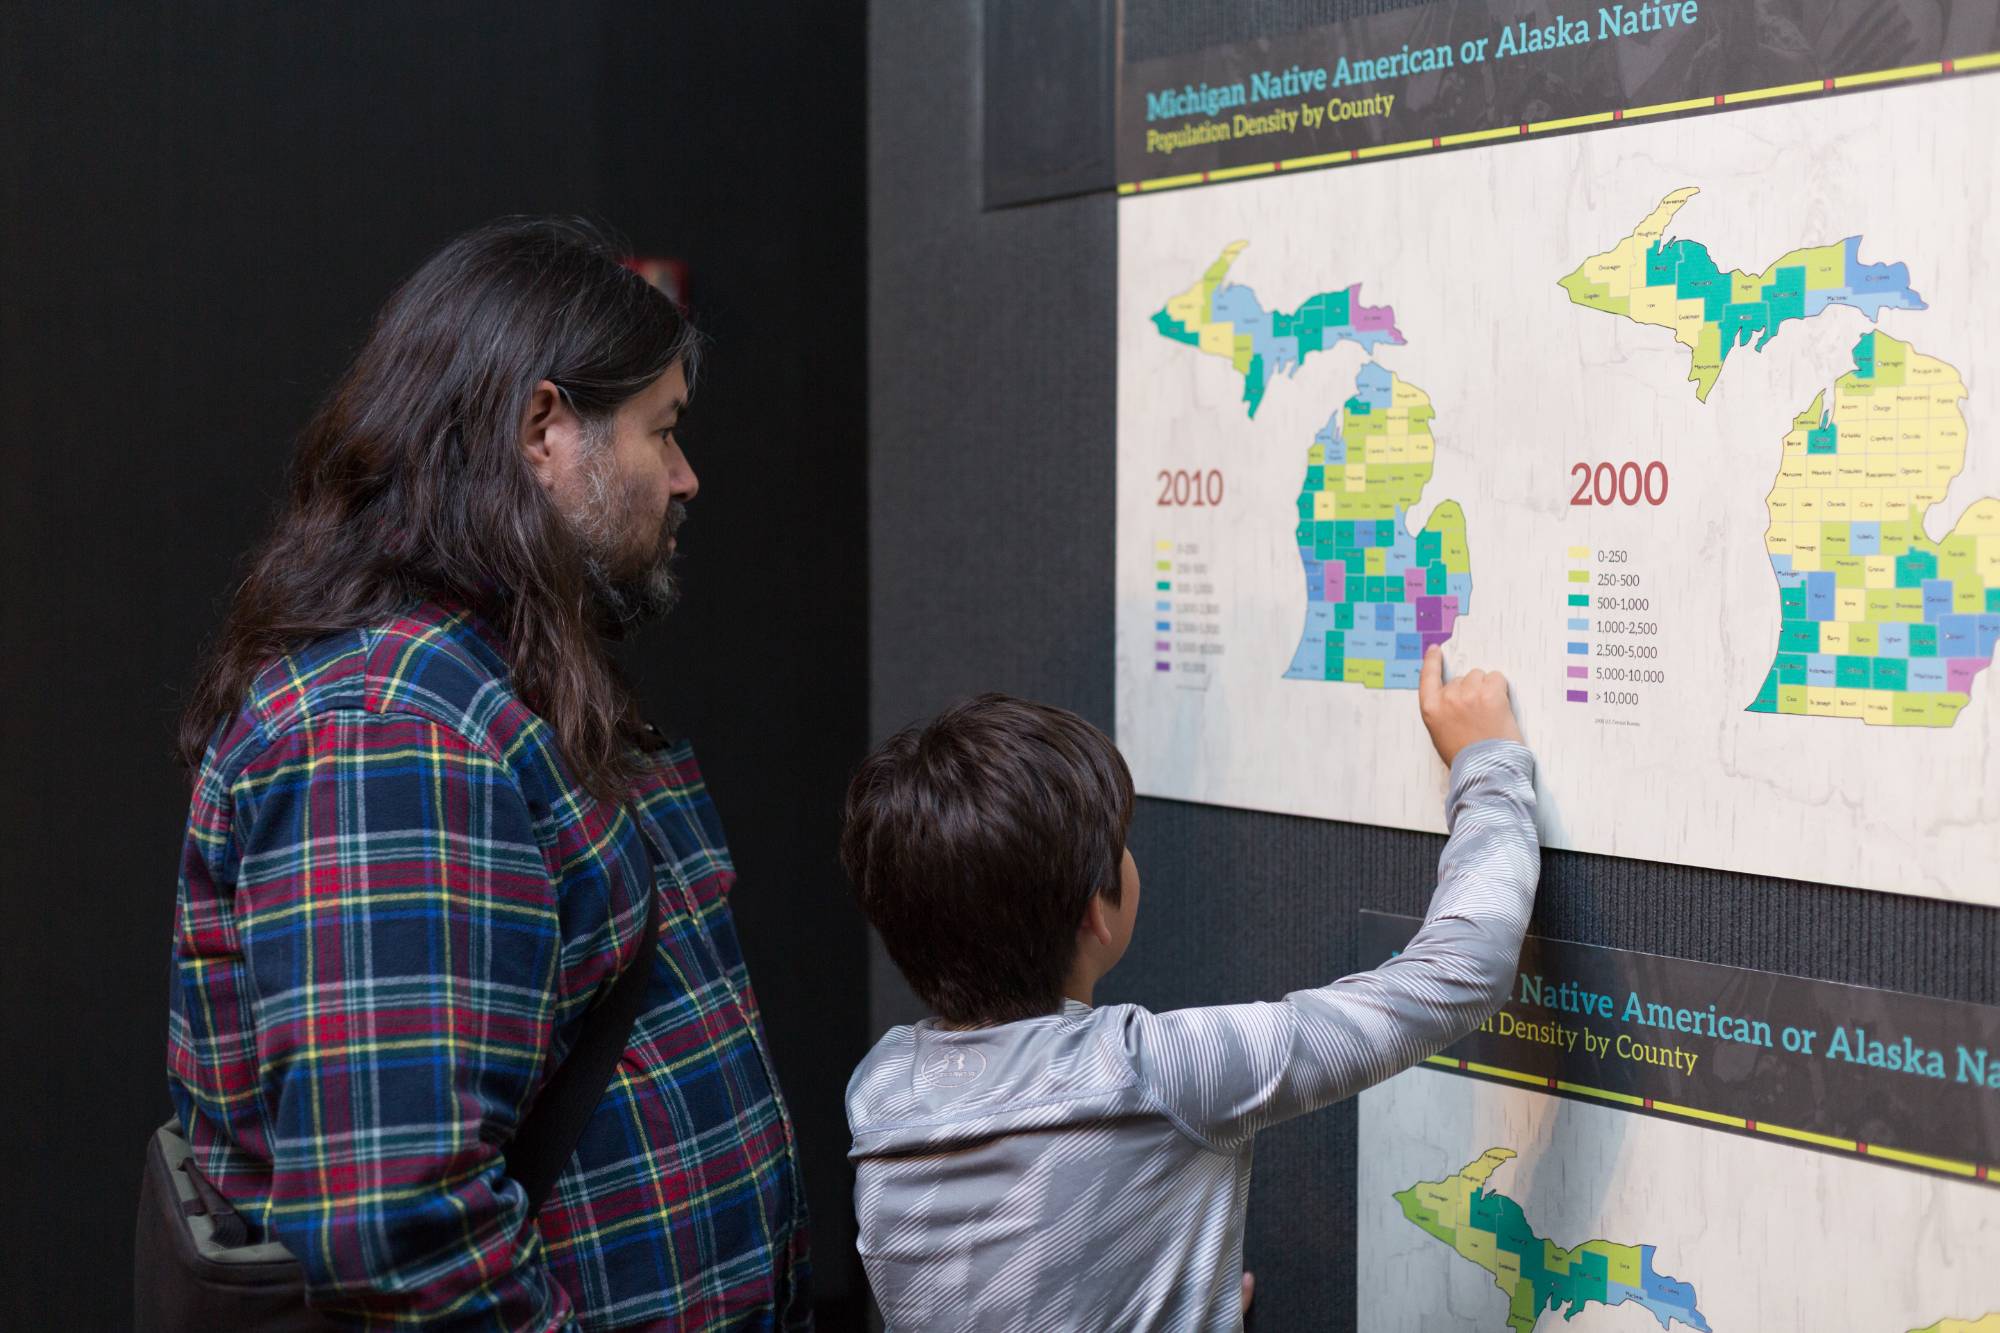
pixel 1720 1147
pixel 1489 1207
pixel 1677 419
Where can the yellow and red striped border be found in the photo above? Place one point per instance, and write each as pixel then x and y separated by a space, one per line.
pixel 1946 1166
pixel 1841 83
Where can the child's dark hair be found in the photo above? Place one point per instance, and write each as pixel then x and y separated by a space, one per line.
pixel 976 841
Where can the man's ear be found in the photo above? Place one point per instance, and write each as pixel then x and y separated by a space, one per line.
pixel 550 431
pixel 1097 921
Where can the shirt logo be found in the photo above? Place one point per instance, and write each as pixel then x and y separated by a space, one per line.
pixel 954 1067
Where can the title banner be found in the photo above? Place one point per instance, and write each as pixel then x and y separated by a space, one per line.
pixel 1463 72
pixel 1901 1078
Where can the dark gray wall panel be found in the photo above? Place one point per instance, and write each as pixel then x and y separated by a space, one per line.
pixel 1049 71
pixel 991 378
pixel 990 408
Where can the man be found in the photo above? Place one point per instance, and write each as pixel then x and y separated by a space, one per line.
pixel 429 824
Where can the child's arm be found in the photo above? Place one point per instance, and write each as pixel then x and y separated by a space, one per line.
pixel 1227 1072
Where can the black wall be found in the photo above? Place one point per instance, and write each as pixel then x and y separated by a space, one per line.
pixel 992 391
pixel 200 207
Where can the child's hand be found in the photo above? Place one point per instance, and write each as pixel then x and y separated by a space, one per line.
pixel 1472 708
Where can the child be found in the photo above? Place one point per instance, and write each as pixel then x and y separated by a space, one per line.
pixel 1025 1161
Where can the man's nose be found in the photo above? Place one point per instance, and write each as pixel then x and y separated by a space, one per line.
pixel 681 478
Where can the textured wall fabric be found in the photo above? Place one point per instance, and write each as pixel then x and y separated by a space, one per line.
pixel 992 391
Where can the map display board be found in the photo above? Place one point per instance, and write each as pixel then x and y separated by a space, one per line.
pixel 1684 416
pixel 1563 1167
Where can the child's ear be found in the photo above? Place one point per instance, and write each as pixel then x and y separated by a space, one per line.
pixel 1097 921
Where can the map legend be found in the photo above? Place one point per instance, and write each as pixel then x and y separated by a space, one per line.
pixel 1186 617
pixel 1576 620
pixel 1623 650
pixel 1606 648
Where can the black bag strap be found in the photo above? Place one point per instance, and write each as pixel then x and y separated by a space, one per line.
pixel 548 1134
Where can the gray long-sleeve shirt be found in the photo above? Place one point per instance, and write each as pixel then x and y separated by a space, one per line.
pixel 1090 1169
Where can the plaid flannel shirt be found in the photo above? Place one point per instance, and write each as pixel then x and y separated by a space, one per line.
pixel 395 908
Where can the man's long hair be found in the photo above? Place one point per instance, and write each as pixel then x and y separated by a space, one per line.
pixel 410 483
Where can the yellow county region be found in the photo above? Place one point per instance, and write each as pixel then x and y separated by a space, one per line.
pixel 1195 309
pixel 1615 283
pixel 1448 1204
pixel 1988 1323
pixel 1880 622
pixel 1389 451
pixel 1897 441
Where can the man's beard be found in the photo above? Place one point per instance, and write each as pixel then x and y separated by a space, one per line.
pixel 604 518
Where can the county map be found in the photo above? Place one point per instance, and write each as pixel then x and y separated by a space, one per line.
pixel 1225 319
pixel 1676 285
pixel 1377 595
pixel 1877 621
pixel 1487 1228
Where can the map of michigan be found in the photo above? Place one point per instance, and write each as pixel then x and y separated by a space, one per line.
pixel 1490 1230
pixel 1376 597
pixel 1225 319
pixel 1878 621
pixel 1676 285
pixel 1989 1323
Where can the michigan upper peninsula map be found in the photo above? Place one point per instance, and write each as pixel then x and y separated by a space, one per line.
pixel 1690 429
pixel 1497 1209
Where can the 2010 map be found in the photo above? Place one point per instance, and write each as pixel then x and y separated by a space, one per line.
pixel 1491 1230
pixel 1676 284
pixel 1377 595
pixel 1880 622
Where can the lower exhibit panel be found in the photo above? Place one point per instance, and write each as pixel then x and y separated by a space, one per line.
pixel 1490 1207
pixel 1634 1139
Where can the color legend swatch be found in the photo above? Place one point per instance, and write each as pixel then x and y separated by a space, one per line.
pixel 1186 614
pixel 1576 620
